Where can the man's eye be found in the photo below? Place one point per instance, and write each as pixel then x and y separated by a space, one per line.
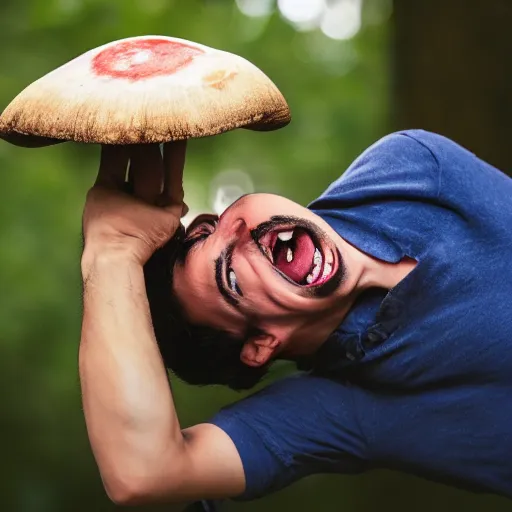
pixel 200 232
pixel 205 227
pixel 233 283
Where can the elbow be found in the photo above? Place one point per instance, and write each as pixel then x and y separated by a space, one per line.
pixel 125 494
pixel 128 491
pixel 134 480
pixel 132 490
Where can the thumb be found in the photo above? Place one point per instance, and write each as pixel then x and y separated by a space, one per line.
pixel 175 210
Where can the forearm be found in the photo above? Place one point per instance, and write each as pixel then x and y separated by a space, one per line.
pixel 131 419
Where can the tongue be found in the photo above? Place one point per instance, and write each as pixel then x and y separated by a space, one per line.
pixel 299 267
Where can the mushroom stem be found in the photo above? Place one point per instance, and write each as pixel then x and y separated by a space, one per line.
pixel 174 164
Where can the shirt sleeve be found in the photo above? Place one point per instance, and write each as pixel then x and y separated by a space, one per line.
pixel 293 428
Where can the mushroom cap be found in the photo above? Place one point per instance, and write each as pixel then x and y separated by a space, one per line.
pixel 149 89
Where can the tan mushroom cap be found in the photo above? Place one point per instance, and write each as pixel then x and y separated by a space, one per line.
pixel 149 89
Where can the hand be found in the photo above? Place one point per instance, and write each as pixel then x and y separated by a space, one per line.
pixel 134 226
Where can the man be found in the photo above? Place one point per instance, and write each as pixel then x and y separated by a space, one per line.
pixel 392 291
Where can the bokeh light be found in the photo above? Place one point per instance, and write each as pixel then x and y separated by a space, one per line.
pixel 303 14
pixel 256 8
pixel 337 19
pixel 227 187
pixel 342 19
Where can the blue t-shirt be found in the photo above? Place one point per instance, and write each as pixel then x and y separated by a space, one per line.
pixel 418 378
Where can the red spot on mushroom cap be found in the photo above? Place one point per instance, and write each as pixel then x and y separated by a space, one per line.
pixel 143 58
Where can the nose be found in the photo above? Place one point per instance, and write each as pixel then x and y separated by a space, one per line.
pixel 242 233
pixel 238 233
pixel 232 229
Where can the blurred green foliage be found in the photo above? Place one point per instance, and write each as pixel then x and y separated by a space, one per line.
pixel 338 91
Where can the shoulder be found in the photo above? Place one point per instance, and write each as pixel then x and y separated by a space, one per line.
pixel 413 146
pixel 400 164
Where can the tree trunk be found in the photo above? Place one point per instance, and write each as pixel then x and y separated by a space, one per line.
pixel 453 72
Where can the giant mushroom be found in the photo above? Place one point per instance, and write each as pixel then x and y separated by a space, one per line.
pixel 145 90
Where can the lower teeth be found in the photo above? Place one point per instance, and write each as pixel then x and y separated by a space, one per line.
pixel 317 260
pixel 327 270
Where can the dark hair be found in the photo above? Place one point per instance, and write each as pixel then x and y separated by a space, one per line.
pixel 197 354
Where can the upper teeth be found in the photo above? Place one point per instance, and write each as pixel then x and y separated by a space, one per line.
pixel 284 236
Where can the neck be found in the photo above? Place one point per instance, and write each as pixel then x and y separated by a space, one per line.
pixel 381 274
pixel 363 272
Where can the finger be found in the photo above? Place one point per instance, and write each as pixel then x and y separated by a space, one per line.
pixel 146 172
pixel 113 163
pixel 174 163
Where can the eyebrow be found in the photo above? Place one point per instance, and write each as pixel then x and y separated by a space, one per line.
pixel 223 260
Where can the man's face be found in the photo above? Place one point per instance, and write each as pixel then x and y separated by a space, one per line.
pixel 267 262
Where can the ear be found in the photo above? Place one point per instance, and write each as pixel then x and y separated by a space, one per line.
pixel 259 349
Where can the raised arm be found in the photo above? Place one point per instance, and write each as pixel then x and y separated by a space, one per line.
pixel 142 454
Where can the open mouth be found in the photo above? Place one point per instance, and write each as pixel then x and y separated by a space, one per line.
pixel 298 254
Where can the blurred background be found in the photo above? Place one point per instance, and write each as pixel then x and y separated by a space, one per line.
pixel 351 70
